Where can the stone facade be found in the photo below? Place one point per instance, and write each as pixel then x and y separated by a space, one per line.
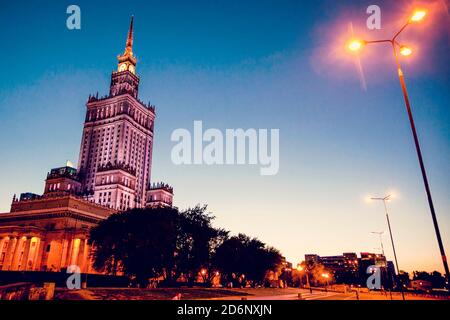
pixel 48 233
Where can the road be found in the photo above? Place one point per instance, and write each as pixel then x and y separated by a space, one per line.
pixel 322 295
pixel 305 295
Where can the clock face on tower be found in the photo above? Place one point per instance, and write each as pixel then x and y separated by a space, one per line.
pixel 122 67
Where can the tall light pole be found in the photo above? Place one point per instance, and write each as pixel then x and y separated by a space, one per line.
pixel 386 198
pixel 356 45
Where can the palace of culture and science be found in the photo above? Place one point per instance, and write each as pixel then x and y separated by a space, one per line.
pixel 49 232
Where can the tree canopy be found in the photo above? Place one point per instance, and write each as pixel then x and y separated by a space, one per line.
pixel 242 259
pixel 167 244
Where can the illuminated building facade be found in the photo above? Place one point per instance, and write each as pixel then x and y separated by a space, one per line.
pixel 349 269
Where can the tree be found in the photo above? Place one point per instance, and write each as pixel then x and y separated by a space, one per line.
pixel 197 243
pixel 156 243
pixel 241 259
pixel 139 242
pixel 435 278
pixel 402 279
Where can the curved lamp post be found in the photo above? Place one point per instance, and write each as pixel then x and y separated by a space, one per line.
pixel 356 45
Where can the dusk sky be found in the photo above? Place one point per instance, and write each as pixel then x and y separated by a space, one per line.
pixel 282 65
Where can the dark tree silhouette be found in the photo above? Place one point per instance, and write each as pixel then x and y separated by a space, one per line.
pixel 197 243
pixel 435 278
pixel 242 259
pixel 156 243
pixel 139 242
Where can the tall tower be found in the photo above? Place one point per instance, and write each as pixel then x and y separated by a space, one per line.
pixel 116 147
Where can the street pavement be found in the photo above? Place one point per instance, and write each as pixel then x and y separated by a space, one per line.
pixel 323 295
pixel 305 295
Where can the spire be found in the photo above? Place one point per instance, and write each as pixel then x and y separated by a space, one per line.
pixel 129 44
pixel 127 61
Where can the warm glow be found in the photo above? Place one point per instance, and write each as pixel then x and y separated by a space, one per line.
pixel 405 51
pixel 418 15
pixel 203 271
pixel 69 164
pixel 355 45
pixel 299 268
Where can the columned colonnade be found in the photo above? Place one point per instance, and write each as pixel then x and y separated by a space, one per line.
pixel 33 252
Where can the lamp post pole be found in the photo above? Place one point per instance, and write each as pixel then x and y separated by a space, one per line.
pixel 422 166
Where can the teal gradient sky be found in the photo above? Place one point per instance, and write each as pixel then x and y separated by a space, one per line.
pixel 248 64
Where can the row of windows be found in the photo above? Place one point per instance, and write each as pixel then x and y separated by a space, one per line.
pixel 109 111
pixel 56 186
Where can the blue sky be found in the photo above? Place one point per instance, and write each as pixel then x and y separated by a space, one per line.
pixel 247 64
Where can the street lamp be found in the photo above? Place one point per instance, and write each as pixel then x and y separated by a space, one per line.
pixel 356 45
pixel 305 269
pixel 386 198
pixel 203 273
pixel 405 51
pixel 326 276
pixel 300 269
pixel 380 234
pixel 418 15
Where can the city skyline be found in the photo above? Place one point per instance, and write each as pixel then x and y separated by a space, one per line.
pixel 336 152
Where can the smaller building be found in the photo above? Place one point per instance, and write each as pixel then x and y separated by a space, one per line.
pixel 343 267
pixel 63 179
pixel 50 232
pixel 159 194
pixel 349 269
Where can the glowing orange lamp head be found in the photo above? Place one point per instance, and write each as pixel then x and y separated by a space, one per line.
pixel 355 45
pixel 418 15
pixel 405 51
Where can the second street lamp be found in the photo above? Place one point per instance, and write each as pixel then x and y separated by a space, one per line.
pixel 305 269
pixel 326 276
pixel 392 238
pixel 356 45
pixel 380 235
